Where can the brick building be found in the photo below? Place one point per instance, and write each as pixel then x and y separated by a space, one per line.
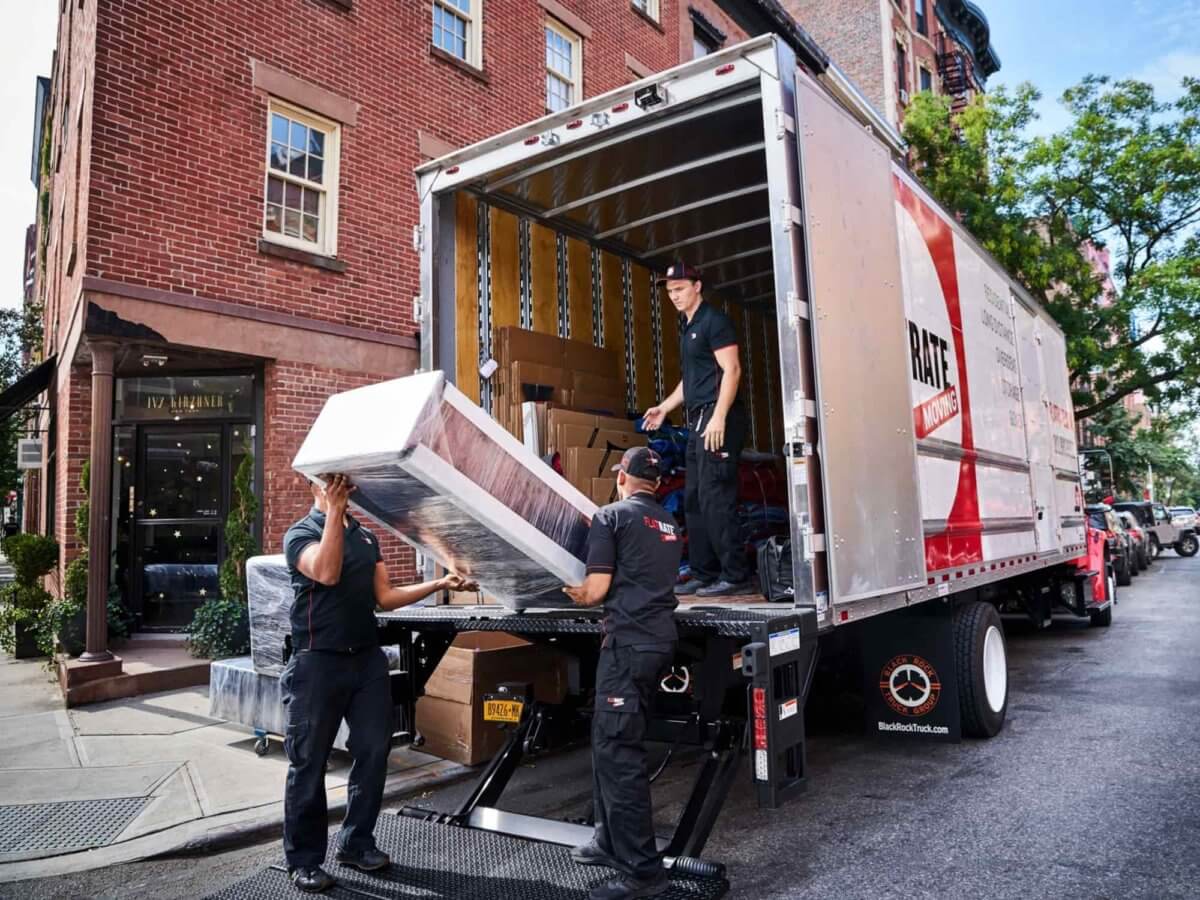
pixel 892 49
pixel 225 239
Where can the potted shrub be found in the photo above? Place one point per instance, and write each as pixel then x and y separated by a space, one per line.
pixel 24 601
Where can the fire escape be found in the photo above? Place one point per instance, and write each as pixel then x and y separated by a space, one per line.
pixel 956 71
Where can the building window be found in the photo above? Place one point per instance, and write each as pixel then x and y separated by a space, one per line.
pixel 706 37
pixel 300 209
pixel 648 8
pixel 902 72
pixel 922 20
pixel 926 79
pixel 564 67
pixel 457 29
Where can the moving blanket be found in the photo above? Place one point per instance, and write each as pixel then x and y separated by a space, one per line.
pixel 433 468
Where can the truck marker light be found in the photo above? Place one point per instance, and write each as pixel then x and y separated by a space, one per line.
pixel 845 615
pixel 620 107
pixel 529 141
pixel 571 126
pixel 725 69
pixel 453 170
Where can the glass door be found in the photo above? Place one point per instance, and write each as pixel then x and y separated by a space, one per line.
pixel 178 515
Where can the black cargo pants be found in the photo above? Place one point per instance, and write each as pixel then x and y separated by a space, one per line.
pixel 320 688
pixel 714 534
pixel 627 678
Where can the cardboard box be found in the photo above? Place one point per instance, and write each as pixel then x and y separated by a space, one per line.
pixel 597 403
pixel 556 417
pixel 602 385
pixel 604 491
pixel 584 436
pixel 582 464
pixel 477 661
pixel 457 731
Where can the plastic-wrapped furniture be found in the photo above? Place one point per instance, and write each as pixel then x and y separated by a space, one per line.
pixel 435 469
pixel 270 599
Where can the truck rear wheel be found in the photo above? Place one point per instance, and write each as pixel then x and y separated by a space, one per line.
pixel 981 661
pixel 1103 618
pixel 1187 545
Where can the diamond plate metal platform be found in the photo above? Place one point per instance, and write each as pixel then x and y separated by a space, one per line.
pixel 431 860
pixel 34 828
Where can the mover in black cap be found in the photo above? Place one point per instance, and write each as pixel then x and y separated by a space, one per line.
pixel 633 555
pixel 716 419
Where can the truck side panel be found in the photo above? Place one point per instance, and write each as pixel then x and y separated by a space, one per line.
pixel 873 517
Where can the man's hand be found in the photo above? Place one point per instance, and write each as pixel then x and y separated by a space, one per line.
pixel 577 594
pixel 714 434
pixel 454 582
pixel 337 493
pixel 654 418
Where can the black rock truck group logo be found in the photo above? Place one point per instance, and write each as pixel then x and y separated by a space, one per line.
pixel 910 685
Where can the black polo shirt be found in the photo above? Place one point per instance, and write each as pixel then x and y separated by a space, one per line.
pixel 340 616
pixel 709 331
pixel 640 544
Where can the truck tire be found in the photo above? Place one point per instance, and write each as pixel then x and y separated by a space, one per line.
pixel 1187 545
pixel 981 662
pixel 1103 618
pixel 1121 566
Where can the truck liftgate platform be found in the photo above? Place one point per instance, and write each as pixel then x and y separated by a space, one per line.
pixel 738 665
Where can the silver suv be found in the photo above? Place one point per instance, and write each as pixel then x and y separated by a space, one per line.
pixel 1165 531
pixel 1183 516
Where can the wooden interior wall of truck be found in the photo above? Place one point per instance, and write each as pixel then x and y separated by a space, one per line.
pixel 634 317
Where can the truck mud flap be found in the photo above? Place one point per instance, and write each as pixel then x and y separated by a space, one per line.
pixel 434 860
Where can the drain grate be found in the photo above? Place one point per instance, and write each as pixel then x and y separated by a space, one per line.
pixel 71 825
pixel 431 860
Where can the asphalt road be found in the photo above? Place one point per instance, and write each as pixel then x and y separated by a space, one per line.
pixel 1091 791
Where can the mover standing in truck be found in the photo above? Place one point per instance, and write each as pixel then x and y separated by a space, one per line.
pixel 716 421
pixel 633 556
pixel 337 671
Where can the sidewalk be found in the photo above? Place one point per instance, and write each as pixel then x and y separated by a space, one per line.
pixel 130 779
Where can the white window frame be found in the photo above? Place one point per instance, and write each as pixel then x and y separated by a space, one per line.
pixel 474 20
pixel 327 244
pixel 576 43
pixel 649 7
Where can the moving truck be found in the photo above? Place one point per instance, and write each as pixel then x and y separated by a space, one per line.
pixel 916 394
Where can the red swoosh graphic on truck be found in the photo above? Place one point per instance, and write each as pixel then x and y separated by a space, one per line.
pixel 962 541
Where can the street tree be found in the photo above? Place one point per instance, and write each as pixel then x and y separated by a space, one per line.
pixel 1124 174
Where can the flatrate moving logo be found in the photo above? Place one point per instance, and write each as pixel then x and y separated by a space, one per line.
pixel 910 685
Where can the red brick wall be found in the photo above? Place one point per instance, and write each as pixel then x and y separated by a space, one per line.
pixel 180 134
pixel 295 394
pixel 850 32
pixel 715 15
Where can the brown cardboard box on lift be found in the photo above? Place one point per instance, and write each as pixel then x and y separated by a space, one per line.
pixel 450 715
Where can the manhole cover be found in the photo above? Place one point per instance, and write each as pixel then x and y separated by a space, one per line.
pixel 71 825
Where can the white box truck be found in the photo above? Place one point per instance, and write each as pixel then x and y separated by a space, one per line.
pixel 918 395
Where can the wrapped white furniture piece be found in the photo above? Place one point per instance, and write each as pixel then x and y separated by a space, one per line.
pixel 270 598
pixel 433 468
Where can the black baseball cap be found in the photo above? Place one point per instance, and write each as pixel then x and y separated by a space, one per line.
pixel 680 271
pixel 640 462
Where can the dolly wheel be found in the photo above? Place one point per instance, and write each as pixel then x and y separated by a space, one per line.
pixel 262 746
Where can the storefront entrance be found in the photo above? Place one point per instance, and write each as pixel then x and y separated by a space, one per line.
pixel 177 448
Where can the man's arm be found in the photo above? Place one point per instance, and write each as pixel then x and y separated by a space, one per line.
pixel 731 374
pixel 593 590
pixel 322 560
pixel 656 415
pixel 388 597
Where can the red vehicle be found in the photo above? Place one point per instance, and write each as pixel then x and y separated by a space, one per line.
pixel 1101 582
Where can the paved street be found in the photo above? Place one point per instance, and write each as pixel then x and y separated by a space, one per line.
pixel 1092 790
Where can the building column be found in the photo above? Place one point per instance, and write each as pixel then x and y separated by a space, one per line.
pixel 100 510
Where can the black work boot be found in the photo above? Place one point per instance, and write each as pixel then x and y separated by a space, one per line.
pixel 311 879
pixel 629 887
pixel 690 586
pixel 724 588
pixel 371 860
pixel 592 854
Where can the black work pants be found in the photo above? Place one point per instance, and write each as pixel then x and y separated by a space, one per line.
pixel 626 680
pixel 714 534
pixel 319 690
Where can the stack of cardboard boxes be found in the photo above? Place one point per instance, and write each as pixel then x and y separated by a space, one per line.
pixel 450 714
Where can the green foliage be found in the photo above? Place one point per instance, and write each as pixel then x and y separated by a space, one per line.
pixel 1161 448
pixel 220 628
pixel 1123 174
pixel 21 605
pixel 31 556
pixel 239 532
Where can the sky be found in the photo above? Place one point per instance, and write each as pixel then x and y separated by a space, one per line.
pixel 1052 43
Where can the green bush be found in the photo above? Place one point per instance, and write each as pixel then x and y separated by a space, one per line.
pixel 239 533
pixel 23 605
pixel 31 556
pixel 220 628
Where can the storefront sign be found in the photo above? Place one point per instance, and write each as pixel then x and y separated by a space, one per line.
pixel 178 399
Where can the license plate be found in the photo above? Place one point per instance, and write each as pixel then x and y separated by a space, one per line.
pixel 502 710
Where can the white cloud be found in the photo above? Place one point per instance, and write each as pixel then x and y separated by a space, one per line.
pixel 1165 74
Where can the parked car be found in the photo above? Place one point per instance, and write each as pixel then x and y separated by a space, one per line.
pixel 1102 516
pixel 1141 538
pixel 1164 531
pixel 1183 516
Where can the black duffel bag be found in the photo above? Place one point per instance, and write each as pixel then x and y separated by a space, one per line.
pixel 775 569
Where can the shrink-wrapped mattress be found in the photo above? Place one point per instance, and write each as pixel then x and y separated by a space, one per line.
pixel 433 468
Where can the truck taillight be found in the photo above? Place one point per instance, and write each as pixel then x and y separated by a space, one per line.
pixel 760 765
pixel 760 719
pixel 725 69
